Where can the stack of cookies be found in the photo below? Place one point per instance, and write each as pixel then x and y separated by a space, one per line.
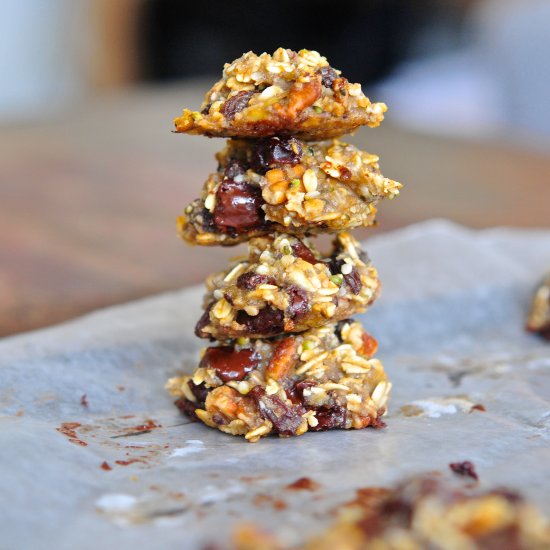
pixel 288 358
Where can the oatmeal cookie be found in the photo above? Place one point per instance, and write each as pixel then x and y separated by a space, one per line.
pixel 286 185
pixel 286 286
pixel 287 93
pixel 420 513
pixel 322 379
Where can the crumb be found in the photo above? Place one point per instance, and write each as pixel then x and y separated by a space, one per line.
pixel 84 400
pixel 105 466
pixel 465 468
pixel 262 499
pixel 303 484
pixel 68 429
pixel 129 461
pixel 478 407
pixel 411 410
pixel 146 427
pixel 279 504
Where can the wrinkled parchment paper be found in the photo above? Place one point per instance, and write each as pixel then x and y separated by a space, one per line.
pixel 450 328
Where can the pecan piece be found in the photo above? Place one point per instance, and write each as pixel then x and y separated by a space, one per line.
pixel 302 95
pixel 283 359
pixel 223 401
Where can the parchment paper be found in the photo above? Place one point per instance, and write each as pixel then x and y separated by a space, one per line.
pixel 450 328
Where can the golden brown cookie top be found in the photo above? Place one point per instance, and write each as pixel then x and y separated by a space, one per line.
pixel 287 93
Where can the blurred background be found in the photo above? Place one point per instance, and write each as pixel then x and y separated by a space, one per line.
pixel 92 179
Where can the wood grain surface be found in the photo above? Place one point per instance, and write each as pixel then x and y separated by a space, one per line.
pixel 89 200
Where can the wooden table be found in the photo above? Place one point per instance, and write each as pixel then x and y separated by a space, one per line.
pixel 89 200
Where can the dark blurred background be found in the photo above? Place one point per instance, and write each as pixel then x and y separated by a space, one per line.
pixel 175 34
pixel 91 177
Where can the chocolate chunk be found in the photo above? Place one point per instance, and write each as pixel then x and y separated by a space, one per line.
pixel 295 391
pixel 268 321
pixel 250 280
pixel 200 391
pixel 187 407
pixel 236 104
pixel 286 419
pixel 238 207
pixel 275 150
pixel 302 251
pixel 328 76
pixel 230 365
pixel 298 303
pixel 330 418
pixel 208 221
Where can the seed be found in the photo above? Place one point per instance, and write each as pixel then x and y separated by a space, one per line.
pixel 378 391
pixel 295 182
pixel 252 310
pixel 221 309
pixel 311 419
pixel 317 109
pixel 337 279
pixel 310 180
pixel 253 434
pixel 210 202
pixel 330 310
pixel 346 269
pixel 307 344
pixel 270 91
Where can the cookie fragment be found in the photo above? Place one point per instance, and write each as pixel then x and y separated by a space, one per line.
pixel 325 378
pixel 287 93
pixel 286 185
pixel 286 286
pixel 538 320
